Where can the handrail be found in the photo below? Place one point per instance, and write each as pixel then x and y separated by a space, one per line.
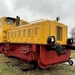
pixel 37 21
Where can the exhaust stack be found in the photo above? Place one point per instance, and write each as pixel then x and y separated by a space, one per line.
pixel 17 20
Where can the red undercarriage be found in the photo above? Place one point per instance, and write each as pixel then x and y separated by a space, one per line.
pixel 34 52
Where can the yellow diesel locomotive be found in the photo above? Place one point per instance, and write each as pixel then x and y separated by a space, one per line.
pixel 43 41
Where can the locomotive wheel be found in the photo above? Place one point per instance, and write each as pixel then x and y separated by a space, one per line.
pixel 70 62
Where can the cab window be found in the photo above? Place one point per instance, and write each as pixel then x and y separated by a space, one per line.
pixel 24 23
pixel 10 21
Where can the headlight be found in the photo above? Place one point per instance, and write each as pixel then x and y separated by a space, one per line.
pixel 51 40
pixel 70 41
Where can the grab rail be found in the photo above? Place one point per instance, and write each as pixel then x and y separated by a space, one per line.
pixel 37 21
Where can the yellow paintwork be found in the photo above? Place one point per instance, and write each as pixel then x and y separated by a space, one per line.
pixel 37 33
pixel 4 27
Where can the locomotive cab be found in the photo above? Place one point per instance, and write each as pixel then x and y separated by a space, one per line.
pixel 6 23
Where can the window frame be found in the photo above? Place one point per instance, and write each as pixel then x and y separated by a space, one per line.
pixel 59 33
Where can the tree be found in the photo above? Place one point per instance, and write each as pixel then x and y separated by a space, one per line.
pixel 72 32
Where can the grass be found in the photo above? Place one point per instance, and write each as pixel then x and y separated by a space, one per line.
pixel 73 54
pixel 11 66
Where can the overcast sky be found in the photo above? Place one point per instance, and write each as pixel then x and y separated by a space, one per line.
pixel 40 9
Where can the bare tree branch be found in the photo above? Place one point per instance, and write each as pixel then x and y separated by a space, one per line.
pixel 72 32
